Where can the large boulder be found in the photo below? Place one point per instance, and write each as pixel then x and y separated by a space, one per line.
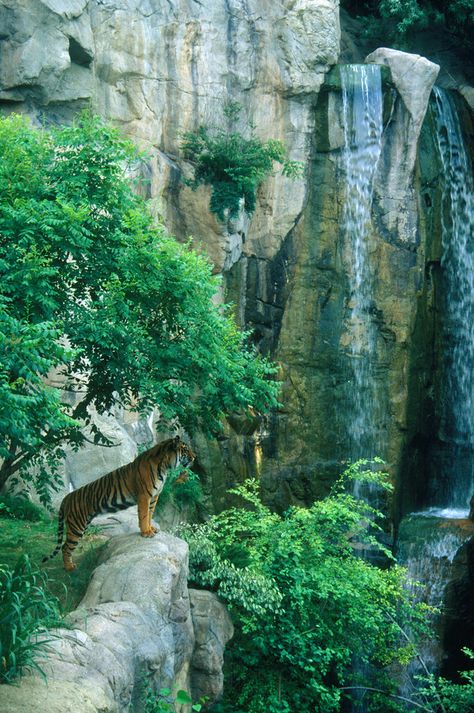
pixel 413 77
pixel 133 629
pixel 212 630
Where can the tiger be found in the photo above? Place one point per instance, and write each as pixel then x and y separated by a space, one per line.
pixel 138 482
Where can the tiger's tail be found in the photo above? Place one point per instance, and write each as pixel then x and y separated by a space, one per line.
pixel 60 536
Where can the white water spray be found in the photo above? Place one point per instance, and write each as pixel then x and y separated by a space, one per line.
pixel 362 115
pixel 455 485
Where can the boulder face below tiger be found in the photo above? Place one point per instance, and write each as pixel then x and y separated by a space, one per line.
pixel 137 625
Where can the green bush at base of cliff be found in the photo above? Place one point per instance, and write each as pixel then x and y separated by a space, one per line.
pixel 37 539
pixel 305 603
pixel 27 609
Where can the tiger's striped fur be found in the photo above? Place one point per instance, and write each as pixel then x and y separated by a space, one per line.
pixel 138 482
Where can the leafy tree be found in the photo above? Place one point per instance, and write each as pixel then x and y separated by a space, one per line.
pixel 91 286
pixel 234 166
pixel 304 602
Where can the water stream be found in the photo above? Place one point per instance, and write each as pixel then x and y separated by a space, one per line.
pixel 362 125
pixel 453 484
pixel 428 541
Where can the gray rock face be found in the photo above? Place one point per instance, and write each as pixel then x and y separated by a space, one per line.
pixel 133 629
pixel 212 629
pixel 162 68
pixel 413 77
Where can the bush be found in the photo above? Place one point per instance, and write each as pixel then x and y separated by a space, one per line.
pixel 26 611
pixel 447 696
pixel 165 701
pixel 304 603
pixel 181 490
pixel 20 508
pixel 233 166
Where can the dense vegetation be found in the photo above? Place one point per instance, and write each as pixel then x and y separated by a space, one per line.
pixel 233 165
pixel 397 21
pixel 305 603
pixel 26 610
pixel 91 286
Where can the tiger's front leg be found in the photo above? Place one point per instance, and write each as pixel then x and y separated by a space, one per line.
pixel 153 502
pixel 143 502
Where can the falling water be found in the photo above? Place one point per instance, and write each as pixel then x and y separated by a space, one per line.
pixel 362 125
pixel 427 546
pixel 429 541
pixel 362 114
pixel 454 484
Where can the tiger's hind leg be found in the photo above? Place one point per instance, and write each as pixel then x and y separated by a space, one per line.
pixel 73 535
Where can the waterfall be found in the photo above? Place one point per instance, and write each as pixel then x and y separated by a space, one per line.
pixel 428 541
pixel 362 125
pixel 362 117
pixel 427 546
pixel 454 485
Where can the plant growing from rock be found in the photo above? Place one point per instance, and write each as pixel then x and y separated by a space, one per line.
pixel 165 701
pixel 233 165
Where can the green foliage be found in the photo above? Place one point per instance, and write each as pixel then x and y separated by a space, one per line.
pixel 91 286
pixel 233 165
pixel 303 601
pixel 26 611
pixel 165 701
pixel 21 508
pixel 447 696
pixel 34 538
pixel 183 489
pixel 399 20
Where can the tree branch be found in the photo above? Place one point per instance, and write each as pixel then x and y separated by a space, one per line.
pixel 386 693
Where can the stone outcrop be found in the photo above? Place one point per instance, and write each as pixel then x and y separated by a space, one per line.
pixel 212 629
pixel 136 627
pixel 413 77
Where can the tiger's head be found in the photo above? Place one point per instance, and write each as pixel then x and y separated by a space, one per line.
pixel 184 452
pixel 172 453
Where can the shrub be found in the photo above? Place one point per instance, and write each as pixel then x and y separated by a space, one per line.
pixel 304 602
pixel 181 490
pixel 165 701
pixel 26 610
pixel 447 696
pixel 233 166
pixel 21 508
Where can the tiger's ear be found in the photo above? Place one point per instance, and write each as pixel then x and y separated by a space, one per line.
pixel 176 440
